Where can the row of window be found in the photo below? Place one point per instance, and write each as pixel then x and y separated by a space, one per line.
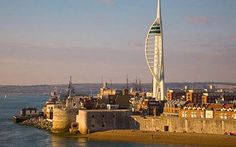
pixel 194 115
pixel 104 116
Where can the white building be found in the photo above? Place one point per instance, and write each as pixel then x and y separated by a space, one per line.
pixel 154 55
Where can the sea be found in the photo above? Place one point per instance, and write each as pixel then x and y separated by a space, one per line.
pixel 15 135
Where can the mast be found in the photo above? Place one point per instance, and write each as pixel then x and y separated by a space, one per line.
pixel 70 89
pixel 127 81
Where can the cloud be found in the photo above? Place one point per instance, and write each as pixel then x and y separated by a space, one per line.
pixel 198 20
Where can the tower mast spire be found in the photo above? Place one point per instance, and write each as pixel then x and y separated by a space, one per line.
pixel 154 55
pixel 158 10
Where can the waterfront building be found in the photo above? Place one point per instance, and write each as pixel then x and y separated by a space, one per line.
pixel 210 97
pixel 214 95
pixel 173 107
pixel 201 96
pixel 54 99
pixel 110 96
pixel 48 110
pixel 194 96
pixel 229 96
pixel 192 111
pixel 209 111
pixel 29 112
pixel 154 55
pixel 224 111
pixel 102 120
pixel 174 94
pixel 105 91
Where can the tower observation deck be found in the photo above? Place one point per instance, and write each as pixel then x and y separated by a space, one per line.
pixel 154 55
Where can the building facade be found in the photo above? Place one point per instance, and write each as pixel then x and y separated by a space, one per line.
pixel 102 120
pixel 174 94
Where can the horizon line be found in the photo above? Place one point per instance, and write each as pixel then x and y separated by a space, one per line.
pixel 218 82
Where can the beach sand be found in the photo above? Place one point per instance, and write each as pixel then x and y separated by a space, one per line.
pixel 163 138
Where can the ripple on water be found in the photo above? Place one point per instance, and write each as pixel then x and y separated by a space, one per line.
pixel 15 135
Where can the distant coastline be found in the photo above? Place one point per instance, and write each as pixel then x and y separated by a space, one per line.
pixel 120 83
pixel 85 88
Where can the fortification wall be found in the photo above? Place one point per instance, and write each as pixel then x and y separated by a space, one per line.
pixel 101 120
pixel 62 119
pixel 175 124
pixel 82 120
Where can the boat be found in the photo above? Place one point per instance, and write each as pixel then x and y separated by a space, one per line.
pixel 19 119
pixel 26 113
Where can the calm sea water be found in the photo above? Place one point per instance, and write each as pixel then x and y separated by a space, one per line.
pixel 12 135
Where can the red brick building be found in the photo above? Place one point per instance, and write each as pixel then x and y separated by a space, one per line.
pixel 217 111
pixel 194 96
pixel 174 94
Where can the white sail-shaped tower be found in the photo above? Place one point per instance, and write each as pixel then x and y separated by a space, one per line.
pixel 154 55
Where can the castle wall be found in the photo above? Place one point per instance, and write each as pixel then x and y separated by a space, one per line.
pixel 62 119
pixel 190 125
pixel 101 120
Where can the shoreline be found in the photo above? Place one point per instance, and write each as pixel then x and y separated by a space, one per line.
pixel 144 137
pixel 148 137
pixel 38 122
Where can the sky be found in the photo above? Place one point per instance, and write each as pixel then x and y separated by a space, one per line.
pixel 46 41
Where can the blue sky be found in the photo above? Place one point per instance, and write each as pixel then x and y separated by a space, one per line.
pixel 46 41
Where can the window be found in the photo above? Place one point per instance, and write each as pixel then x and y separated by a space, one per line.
pixel 202 114
pixel 223 116
pixel 193 114
pixel 234 116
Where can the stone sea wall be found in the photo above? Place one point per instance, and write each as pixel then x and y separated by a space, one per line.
pixel 38 122
pixel 93 121
pixel 189 125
